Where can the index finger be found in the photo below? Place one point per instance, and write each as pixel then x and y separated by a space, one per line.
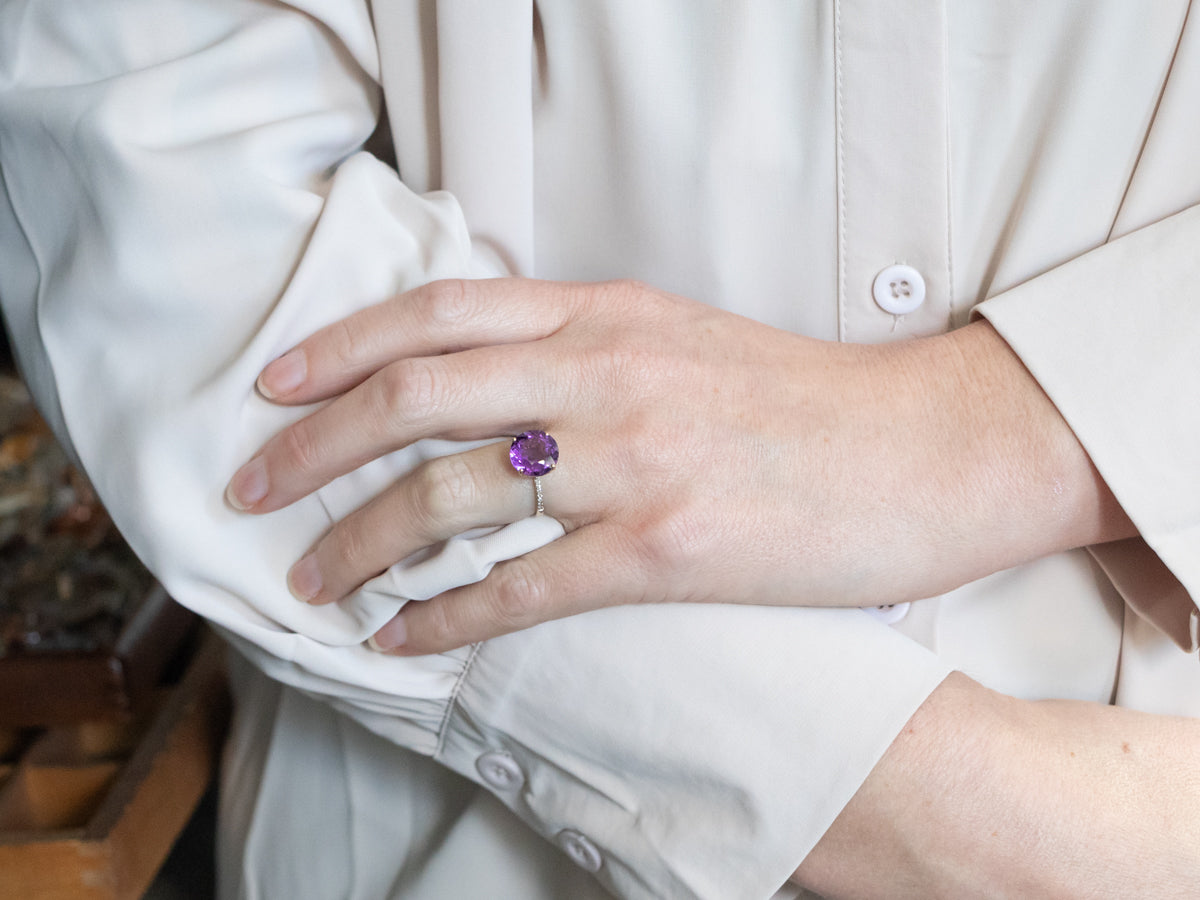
pixel 436 318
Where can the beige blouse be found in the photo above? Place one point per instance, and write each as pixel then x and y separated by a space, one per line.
pixel 183 197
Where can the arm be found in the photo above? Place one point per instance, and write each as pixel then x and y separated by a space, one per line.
pixel 1056 798
pixel 183 191
pixel 184 199
pixel 1033 799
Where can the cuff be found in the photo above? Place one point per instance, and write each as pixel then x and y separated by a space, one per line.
pixel 685 751
pixel 1113 337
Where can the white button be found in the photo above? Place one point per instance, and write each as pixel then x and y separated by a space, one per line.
pixel 890 615
pixel 581 851
pixel 899 289
pixel 500 771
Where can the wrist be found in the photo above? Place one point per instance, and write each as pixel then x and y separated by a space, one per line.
pixel 1004 457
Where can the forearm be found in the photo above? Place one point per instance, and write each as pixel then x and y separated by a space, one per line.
pixel 992 472
pixel 985 795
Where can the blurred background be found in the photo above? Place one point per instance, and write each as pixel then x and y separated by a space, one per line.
pixel 112 697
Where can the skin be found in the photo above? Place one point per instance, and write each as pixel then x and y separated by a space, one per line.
pixel 730 461
pixel 985 796
pixel 759 459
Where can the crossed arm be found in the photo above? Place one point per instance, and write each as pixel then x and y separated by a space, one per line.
pixel 983 795
pixel 325 229
pixel 845 481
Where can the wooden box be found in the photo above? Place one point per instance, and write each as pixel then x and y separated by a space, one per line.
pixel 117 683
pixel 89 811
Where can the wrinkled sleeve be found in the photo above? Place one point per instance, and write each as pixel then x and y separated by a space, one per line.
pixel 1113 337
pixel 191 200
pixel 183 197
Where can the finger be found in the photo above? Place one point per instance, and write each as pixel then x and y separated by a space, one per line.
pixel 577 573
pixel 473 395
pixel 437 318
pixel 441 498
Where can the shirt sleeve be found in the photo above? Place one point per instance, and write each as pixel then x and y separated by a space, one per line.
pixel 183 197
pixel 191 201
pixel 1113 337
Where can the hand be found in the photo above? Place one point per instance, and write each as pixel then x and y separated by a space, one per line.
pixel 705 457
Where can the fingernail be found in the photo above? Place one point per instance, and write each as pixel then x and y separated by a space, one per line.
pixel 304 579
pixel 248 486
pixel 283 375
pixel 390 636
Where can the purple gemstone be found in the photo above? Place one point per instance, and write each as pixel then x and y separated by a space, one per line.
pixel 533 453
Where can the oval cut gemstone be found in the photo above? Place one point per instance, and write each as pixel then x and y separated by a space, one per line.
pixel 533 453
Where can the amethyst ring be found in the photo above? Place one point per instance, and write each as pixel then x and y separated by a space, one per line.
pixel 534 453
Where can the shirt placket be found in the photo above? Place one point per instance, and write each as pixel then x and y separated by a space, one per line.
pixel 894 265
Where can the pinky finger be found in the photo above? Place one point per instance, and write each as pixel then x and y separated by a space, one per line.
pixel 583 571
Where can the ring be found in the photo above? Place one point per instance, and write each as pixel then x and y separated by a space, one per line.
pixel 539 509
pixel 534 453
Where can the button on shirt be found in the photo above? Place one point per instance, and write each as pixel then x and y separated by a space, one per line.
pixel 500 771
pixel 581 851
pixel 1033 164
pixel 899 289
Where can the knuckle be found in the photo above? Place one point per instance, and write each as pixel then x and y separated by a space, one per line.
pixel 433 625
pixel 444 489
pixel 349 343
pixel 438 626
pixel 628 287
pixel 628 294
pixel 672 543
pixel 349 546
pixel 451 301
pixel 519 596
pixel 645 309
pixel 410 390
pixel 299 447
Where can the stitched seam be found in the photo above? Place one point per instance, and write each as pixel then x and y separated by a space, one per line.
pixel 452 701
pixel 839 115
pixel 949 197
pixel 341 723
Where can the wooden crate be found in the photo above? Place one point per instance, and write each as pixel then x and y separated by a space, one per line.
pixel 90 811
pixel 64 687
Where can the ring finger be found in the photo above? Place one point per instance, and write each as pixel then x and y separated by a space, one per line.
pixel 441 498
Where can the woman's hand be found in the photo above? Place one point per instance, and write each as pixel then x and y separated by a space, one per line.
pixel 705 457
